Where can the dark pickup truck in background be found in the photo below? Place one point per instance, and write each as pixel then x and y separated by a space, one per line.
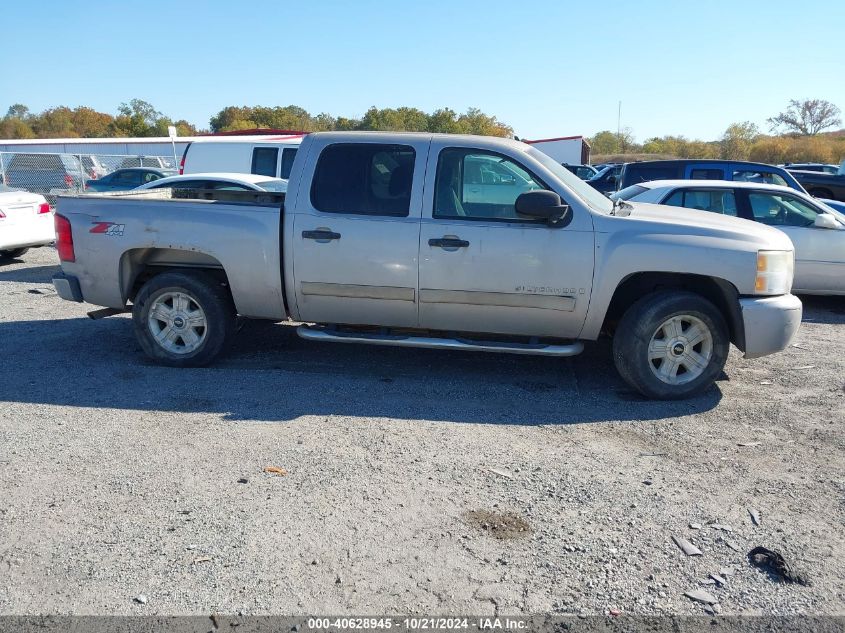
pixel 822 185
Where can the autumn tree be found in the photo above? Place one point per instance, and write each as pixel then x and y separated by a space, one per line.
pixel 17 111
pixel 607 142
pixel 737 140
pixel 13 127
pixel 807 117
pixel 88 123
pixel 16 123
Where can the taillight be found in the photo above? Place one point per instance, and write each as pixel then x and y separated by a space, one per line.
pixel 182 166
pixel 69 180
pixel 43 208
pixel 64 239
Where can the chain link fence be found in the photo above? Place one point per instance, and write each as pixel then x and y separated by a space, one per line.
pixel 52 175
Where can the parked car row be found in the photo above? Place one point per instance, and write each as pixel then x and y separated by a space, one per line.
pixel 817 230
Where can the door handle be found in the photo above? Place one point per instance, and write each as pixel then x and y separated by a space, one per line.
pixel 448 242
pixel 321 234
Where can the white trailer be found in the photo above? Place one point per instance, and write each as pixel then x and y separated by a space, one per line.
pixel 569 150
pixel 151 146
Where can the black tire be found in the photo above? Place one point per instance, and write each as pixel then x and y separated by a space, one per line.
pixel 13 254
pixel 642 323
pixel 208 294
pixel 818 192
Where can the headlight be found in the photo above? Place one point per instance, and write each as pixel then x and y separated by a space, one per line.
pixel 774 272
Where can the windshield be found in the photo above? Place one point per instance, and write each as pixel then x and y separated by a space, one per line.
pixel 628 192
pixel 595 199
pixel 601 173
pixel 276 184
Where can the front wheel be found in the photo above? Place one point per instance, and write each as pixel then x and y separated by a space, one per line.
pixel 183 319
pixel 671 345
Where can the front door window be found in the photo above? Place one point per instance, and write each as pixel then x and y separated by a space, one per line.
pixel 476 185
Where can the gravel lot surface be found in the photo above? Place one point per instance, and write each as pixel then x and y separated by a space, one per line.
pixel 416 481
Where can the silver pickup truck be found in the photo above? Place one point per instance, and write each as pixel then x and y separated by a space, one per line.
pixel 439 241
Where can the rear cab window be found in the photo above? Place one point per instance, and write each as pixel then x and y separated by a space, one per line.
pixel 637 173
pixel 706 174
pixel 364 179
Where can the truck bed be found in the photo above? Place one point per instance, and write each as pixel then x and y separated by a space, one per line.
pixel 118 236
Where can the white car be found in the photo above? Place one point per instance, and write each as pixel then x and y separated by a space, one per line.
pixel 218 181
pixel 817 231
pixel 26 221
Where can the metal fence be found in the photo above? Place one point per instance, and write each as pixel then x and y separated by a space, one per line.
pixel 52 175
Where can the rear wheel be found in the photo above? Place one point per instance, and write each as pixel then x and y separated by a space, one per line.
pixel 821 193
pixel 671 345
pixel 183 319
pixel 13 254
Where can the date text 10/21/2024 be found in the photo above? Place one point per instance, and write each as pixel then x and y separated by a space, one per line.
pixel 419 624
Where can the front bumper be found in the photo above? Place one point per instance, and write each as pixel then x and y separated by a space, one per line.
pixel 67 287
pixel 769 323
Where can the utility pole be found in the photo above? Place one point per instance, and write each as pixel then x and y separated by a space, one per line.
pixel 619 126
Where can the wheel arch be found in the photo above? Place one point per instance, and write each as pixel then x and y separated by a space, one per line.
pixel 720 292
pixel 137 266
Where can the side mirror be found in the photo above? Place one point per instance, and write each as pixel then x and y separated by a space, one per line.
pixel 826 221
pixel 544 205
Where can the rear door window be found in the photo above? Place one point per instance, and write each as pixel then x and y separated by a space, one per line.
pixel 264 160
pixel 364 178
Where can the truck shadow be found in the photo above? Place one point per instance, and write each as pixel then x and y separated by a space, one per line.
pixel 30 275
pixel 271 375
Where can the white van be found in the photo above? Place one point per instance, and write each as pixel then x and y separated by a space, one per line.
pixel 263 155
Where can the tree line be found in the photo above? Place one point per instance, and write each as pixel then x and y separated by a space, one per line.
pixel 138 118
pixel 403 119
pixel 796 134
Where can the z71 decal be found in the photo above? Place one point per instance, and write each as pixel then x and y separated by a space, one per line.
pixel 108 228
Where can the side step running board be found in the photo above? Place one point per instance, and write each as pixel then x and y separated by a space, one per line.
pixel 317 333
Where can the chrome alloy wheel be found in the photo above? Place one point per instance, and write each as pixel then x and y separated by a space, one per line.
pixel 177 323
pixel 680 349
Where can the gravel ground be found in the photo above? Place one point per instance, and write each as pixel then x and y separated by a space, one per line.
pixel 416 481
